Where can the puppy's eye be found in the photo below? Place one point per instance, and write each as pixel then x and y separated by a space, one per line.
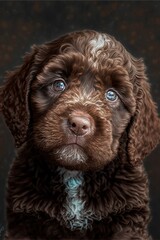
pixel 111 95
pixel 59 85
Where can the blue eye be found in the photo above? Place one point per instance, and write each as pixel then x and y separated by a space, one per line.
pixel 59 85
pixel 111 96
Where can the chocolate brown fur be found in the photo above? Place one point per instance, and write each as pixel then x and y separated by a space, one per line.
pixel 78 173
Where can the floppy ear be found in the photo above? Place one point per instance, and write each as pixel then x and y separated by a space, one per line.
pixel 144 132
pixel 14 98
pixel 1 98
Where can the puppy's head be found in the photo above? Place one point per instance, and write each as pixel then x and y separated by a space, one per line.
pixel 82 100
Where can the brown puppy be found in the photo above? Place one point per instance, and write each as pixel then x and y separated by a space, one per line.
pixel 83 120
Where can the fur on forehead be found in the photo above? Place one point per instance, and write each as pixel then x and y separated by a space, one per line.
pixel 91 45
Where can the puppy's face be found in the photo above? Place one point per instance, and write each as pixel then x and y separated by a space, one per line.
pixel 73 98
pixel 79 111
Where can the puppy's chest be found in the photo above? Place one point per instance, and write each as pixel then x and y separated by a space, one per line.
pixel 74 213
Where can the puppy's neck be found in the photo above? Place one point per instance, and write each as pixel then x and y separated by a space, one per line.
pixel 74 205
pixel 69 174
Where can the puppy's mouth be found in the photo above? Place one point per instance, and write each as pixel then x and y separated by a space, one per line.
pixel 76 141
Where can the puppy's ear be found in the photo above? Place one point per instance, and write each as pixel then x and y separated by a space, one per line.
pixel 14 98
pixel 144 133
pixel 1 91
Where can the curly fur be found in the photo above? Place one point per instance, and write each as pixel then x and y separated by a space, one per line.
pixel 67 186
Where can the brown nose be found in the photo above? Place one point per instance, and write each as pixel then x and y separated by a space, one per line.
pixel 79 124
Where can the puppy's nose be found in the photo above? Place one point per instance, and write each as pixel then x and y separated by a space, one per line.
pixel 79 124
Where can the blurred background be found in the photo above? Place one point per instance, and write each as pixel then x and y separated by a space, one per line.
pixel 136 24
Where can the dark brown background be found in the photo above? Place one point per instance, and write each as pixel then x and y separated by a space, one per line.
pixel 136 24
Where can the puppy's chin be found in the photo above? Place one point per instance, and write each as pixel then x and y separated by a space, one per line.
pixel 71 156
pixel 74 157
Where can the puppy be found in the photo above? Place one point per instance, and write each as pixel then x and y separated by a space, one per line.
pixel 83 119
